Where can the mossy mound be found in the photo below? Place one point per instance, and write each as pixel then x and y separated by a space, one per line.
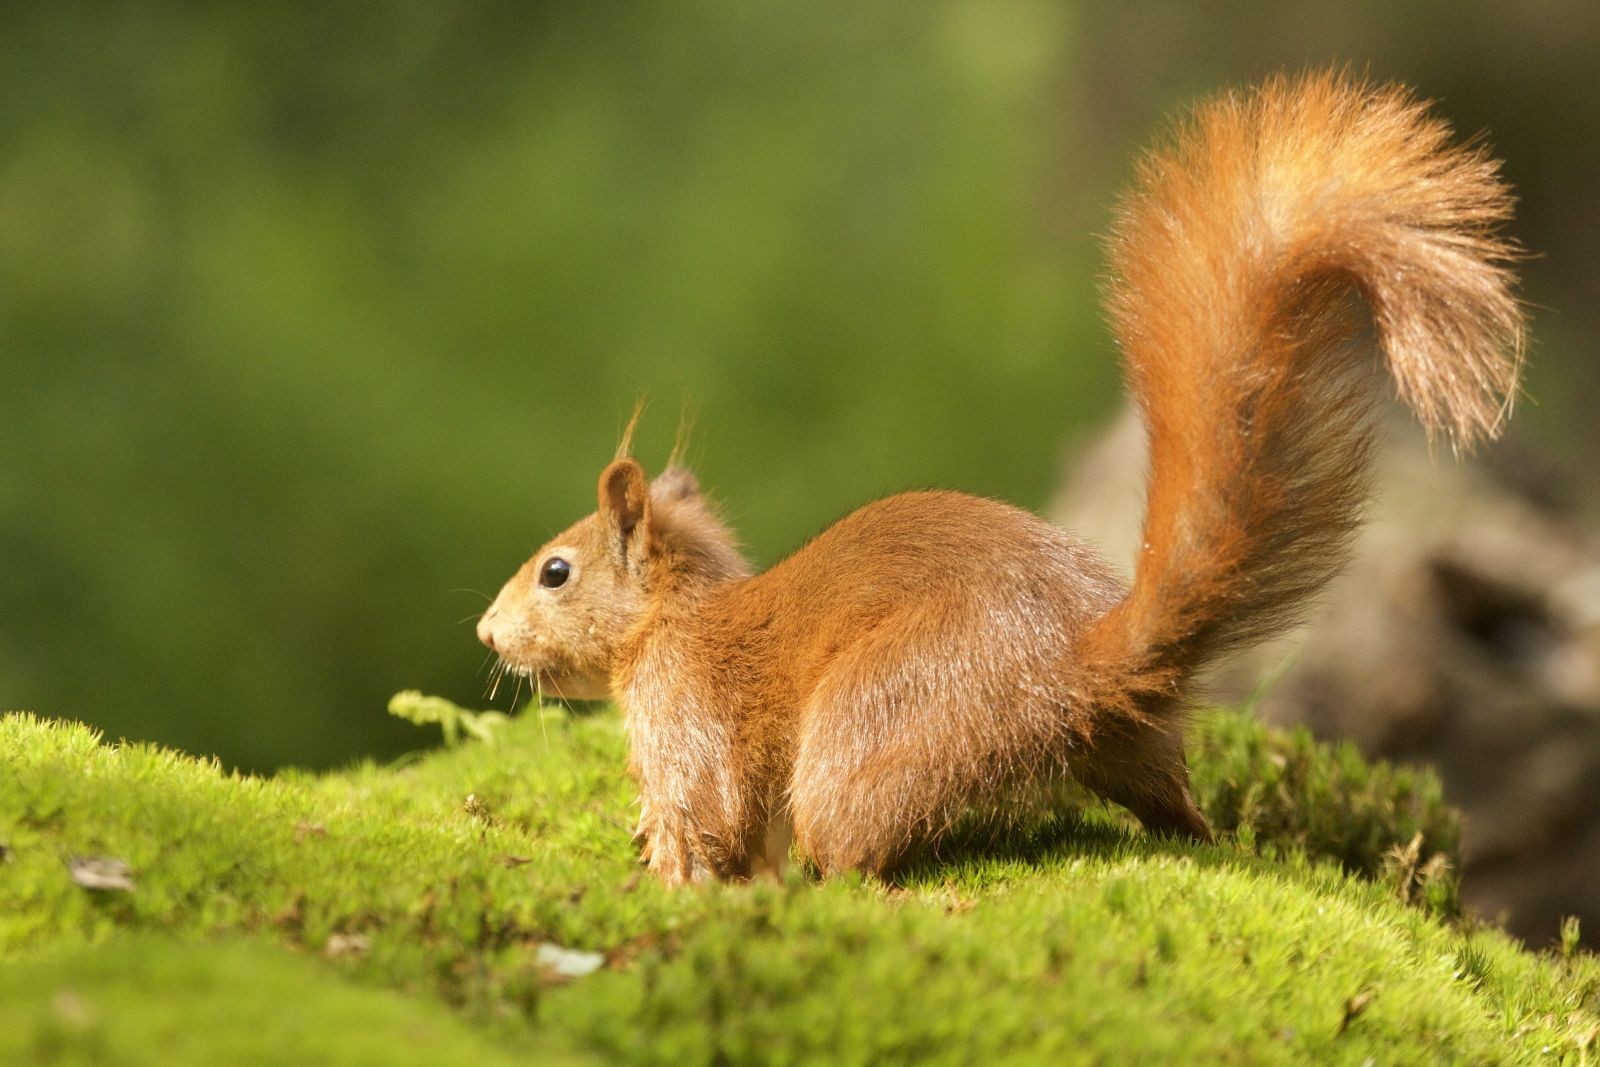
pixel 151 999
pixel 460 880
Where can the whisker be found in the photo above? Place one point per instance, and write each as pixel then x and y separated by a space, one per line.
pixel 475 592
pixel 494 678
pixel 538 690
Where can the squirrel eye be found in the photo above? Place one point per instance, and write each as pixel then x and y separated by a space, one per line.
pixel 554 573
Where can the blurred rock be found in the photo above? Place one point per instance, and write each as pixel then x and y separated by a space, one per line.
pixel 1465 634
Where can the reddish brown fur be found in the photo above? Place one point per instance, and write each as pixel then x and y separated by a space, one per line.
pixel 933 653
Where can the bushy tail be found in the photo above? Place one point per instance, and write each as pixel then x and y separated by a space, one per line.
pixel 1234 260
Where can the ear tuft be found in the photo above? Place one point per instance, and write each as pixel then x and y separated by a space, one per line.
pixel 625 445
pixel 624 498
pixel 675 483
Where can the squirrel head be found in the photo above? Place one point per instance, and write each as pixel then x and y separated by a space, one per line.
pixel 566 617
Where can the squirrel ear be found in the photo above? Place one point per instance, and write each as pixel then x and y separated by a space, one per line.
pixel 675 483
pixel 624 498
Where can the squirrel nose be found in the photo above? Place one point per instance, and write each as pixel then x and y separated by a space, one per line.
pixel 486 631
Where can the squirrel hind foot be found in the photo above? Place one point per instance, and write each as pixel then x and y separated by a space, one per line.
pixel 1164 807
pixel 1143 769
pixel 1174 816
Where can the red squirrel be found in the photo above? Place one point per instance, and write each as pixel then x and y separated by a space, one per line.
pixel 934 653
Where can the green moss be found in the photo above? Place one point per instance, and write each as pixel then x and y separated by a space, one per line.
pixel 147 999
pixel 1076 938
pixel 1284 789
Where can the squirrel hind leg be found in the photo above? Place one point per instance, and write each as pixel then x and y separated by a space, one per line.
pixel 875 778
pixel 883 772
pixel 854 836
pixel 1142 768
pixel 862 803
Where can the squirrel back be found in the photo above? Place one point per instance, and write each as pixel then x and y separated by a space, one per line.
pixel 934 652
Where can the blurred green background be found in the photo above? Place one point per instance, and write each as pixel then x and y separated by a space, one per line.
pixel 314 319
